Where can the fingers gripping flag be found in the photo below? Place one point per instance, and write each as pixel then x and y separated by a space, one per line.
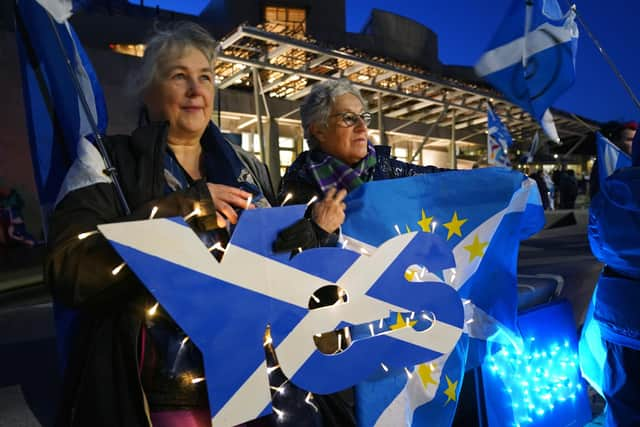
pixel 482 229
pixel 531 58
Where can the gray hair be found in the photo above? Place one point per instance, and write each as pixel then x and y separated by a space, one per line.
pixel 167 43
pixel 317 105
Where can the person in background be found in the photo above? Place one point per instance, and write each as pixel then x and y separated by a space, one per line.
pixel 127 366
pixel 620 134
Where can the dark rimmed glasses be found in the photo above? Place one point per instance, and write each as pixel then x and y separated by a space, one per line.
pixel 351 119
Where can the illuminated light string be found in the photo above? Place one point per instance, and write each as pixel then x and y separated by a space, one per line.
pixel 249 199
pixel 217 246
pixel 537 380
pixel 83 236
pixel 288 197
pixel 152 311
pixel 118 268
pixel 195 212
pixel 308 401
pixel 312 200
pixel 153 213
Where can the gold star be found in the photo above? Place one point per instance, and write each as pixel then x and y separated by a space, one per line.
pixel 401 323
pixel 476 249
pixel 451 390
pixel 425 222
pixel 424 371
pixel 454 226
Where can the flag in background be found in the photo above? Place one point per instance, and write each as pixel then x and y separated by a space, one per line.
pixel 534 63
pixel 498 140
pixel 610 157
pixel 483 230
pixel 56 119
pixel 533 148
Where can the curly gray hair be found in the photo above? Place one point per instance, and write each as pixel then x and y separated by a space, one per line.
pixel 168 43
pixel 316 107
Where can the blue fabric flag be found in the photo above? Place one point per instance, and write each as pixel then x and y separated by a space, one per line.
pixel 55 118
pixel 498 140
pixel 614 216
pixel 535 142
pixel 532 65
pixel 483 230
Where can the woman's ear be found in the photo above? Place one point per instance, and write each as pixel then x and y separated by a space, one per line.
pixel 319 131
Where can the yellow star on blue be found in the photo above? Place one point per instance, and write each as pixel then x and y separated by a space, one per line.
pixel 425 222
pixel 454 225
pixel 450 392
pixel 476 249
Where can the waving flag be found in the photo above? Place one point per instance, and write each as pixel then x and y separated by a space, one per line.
pixel 56 120
pixel 483 230
pixel 498 140
pixel 610 157
pixel 531 58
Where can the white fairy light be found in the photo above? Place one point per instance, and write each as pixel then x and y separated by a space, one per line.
pixel 397 229
pixel 184 341
pixel 278 412
pixel 153 309
pixel 380 323
pixel 469 321
pixel 83 236
pixel 318 335
pixel 299 249
pixel 273 368
pixel 267 340
pixel 311 200
pixel 467 301
pixel 371 329
pixel 118 268
pixel 434 224
pixel 315 298
pixel 154 211
pixel 197 380
pixel 249 199
pixel 345 243
pixel 409 374
pixel 308 401
pixel 286 199
pixel 217 246
pixel 406 321
pixel 384 367
pixel 413 314
pixel 193 213
pixel 363 251
pixel 339 342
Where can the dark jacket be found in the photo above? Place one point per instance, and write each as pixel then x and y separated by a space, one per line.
pixel 102 385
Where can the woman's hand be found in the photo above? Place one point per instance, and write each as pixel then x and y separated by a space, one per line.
pixel 329 213
pixel 227 198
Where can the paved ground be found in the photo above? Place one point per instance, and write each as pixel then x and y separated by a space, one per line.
pixel 29 381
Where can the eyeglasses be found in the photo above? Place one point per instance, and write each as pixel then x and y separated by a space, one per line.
pixel 351 119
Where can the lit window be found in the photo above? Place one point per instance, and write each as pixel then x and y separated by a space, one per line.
pixel 128 49
pixel 286 18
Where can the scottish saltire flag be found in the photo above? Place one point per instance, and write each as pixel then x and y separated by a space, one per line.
pixel 613 235
pixel 610 157
pixel 498 140
pixel 531 58
pixel 482 229
pixel 225 307
pixel 56 121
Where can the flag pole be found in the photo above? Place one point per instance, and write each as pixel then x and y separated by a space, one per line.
pixel 606 56
pixel 109 169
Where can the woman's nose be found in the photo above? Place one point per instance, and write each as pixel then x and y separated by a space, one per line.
pixel 195 87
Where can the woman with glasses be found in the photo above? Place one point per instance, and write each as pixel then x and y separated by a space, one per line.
pixel 340 159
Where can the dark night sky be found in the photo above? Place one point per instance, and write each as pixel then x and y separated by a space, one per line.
pixel 464 28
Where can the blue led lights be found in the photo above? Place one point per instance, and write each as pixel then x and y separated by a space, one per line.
pixel 537 379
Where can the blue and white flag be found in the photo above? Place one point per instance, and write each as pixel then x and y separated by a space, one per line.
pixel 56 121
pixel 483 230
pixel 531 58
pixel 498 140
pixel 610 157
pixel 535 142
pixel 613 236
